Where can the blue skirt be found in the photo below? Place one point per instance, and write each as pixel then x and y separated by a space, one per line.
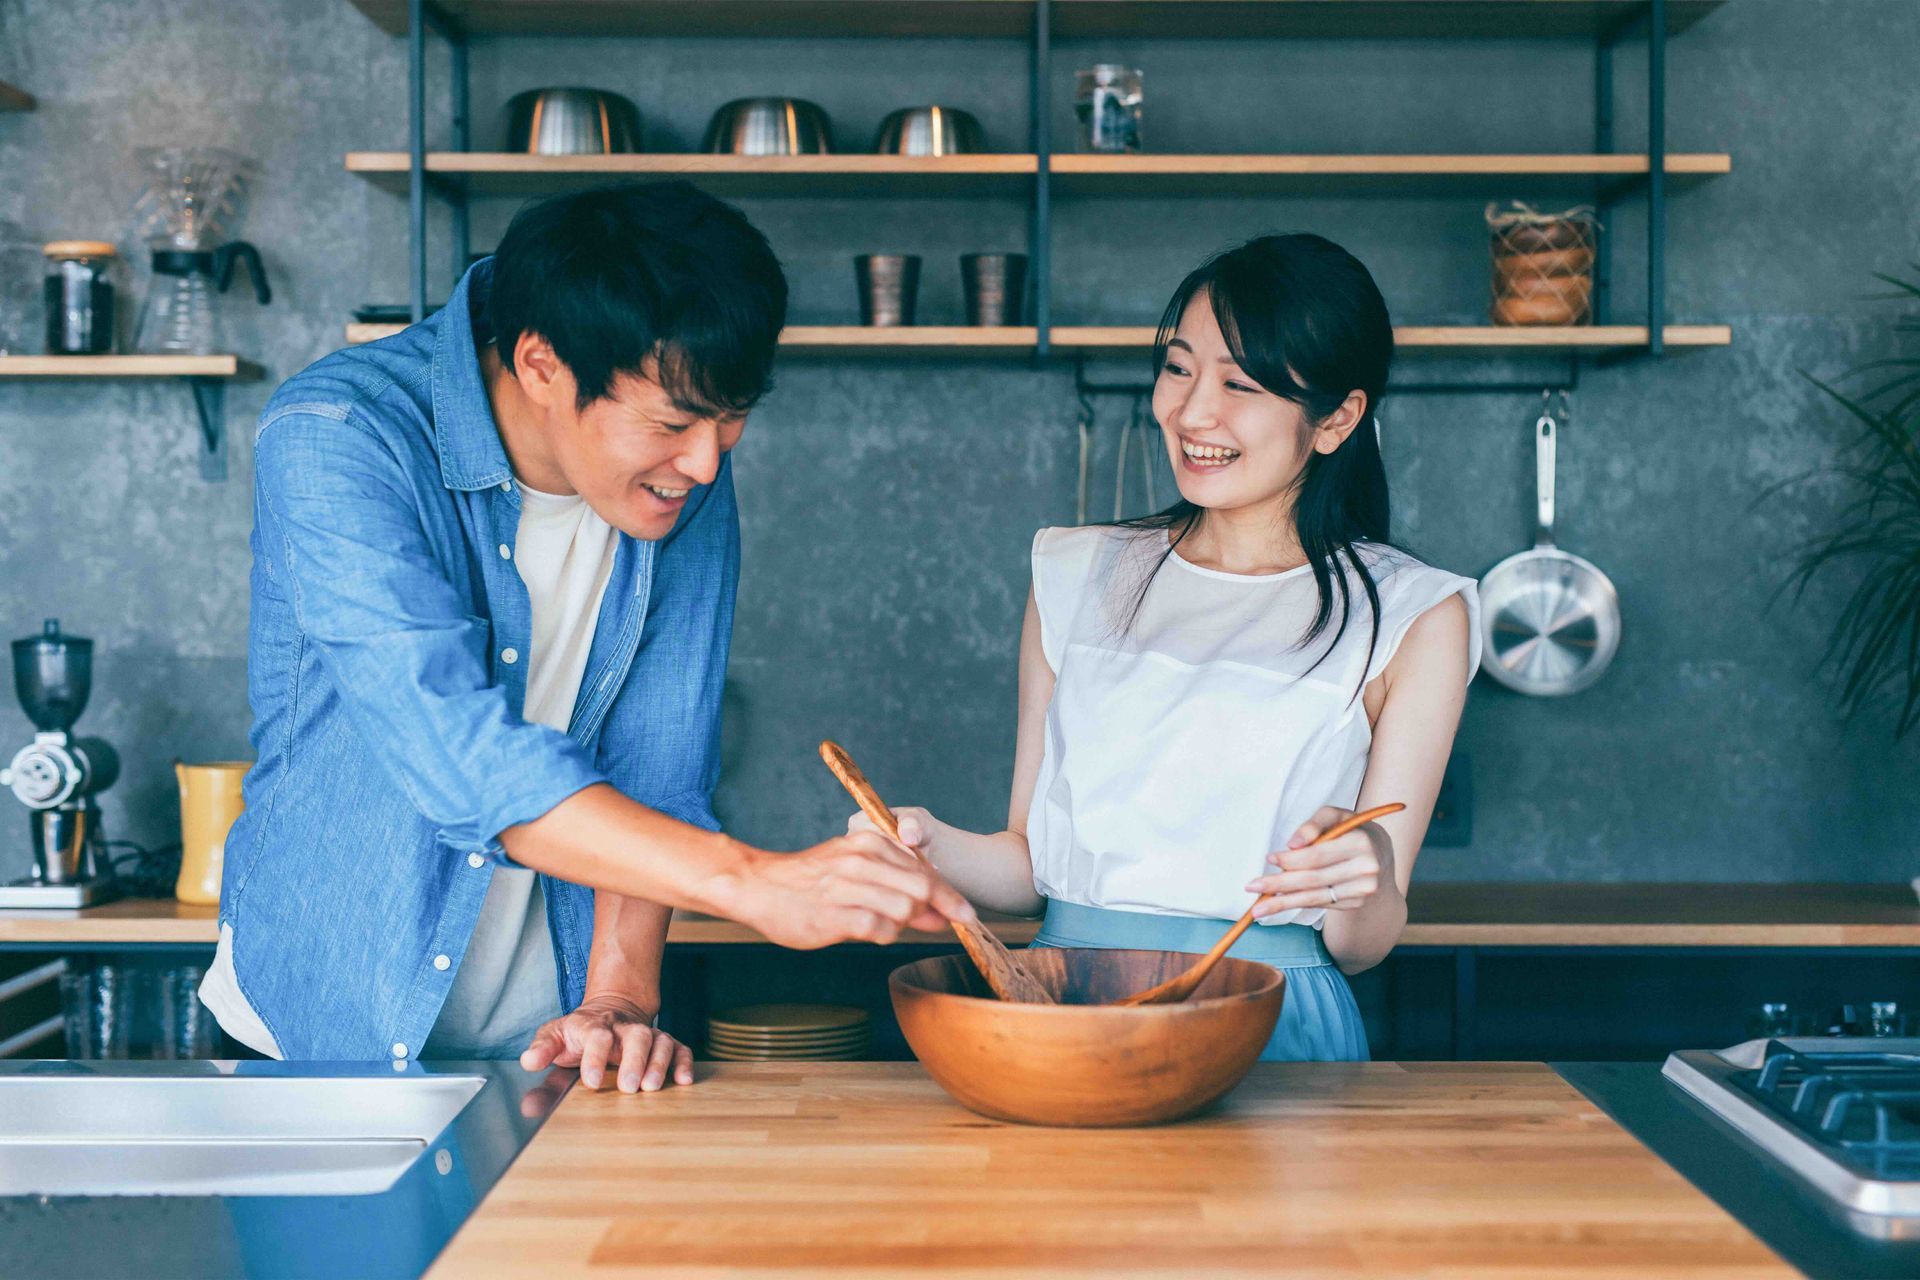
pixel 1319 1021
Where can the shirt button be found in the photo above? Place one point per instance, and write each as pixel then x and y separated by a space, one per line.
pixel 506 552
pixel 399 1050
pixel 441 963
pixel 506 486
pixel 509 656
pixel 475 860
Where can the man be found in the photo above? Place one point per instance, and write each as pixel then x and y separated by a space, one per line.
pixel 494 561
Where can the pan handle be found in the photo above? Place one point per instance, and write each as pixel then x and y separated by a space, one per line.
pixel 1545 432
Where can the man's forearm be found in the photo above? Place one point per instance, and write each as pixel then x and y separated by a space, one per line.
pixel 600 838
pixel 629 938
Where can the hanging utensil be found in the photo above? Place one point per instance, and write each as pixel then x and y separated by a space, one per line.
pixel 1178 988
pixel 1550 620
pixel 1005 974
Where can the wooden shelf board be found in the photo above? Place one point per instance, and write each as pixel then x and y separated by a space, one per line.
pixel 1368 174
pixel 128 366
pixel 1465 19
pixel 512 173
pixel 947 339
pixel 1443 914
pixel 1469 337
pixel 519 174
pixel 13 99
pixel 1297 19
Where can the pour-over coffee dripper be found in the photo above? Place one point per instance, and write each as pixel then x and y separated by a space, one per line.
pixel 191 203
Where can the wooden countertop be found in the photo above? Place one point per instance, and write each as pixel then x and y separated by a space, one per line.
pixel 1443 915
pixel 1422 1169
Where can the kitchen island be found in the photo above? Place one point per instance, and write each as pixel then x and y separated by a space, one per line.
pixel 825 1169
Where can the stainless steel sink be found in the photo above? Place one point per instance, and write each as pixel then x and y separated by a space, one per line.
pixel 219 1134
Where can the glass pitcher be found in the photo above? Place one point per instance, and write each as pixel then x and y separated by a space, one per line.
pixel 181 313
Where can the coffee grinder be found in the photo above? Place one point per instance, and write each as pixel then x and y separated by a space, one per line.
pixel 57 776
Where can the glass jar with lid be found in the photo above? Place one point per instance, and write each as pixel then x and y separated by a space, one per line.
pixel 79 297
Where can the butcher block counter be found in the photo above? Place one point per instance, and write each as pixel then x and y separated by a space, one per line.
pixel 836 1169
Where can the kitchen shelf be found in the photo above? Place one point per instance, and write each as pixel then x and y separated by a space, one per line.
pixel 490 172
pixel 1135 175
pixel 1465 19
pixel 1611 337
pixel 493 173
pixel 1441 914
pixel 206 377
pixel 12 99
pixel 131 366
pixel 964 339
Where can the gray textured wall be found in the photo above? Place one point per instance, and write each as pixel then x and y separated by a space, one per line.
pixel 888 506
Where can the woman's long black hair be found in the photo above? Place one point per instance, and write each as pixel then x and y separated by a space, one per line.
pixel 1304 319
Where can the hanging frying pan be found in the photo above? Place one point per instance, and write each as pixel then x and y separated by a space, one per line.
pixel 1551 620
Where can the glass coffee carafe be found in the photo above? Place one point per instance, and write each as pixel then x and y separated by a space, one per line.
pixel 192 199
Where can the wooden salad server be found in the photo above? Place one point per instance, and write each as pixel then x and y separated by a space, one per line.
pixel 1178 988
pixel 1003 972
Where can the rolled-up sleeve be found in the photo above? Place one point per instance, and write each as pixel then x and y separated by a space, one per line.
pixel 337 521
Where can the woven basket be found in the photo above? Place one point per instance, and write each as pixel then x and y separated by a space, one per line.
pixel 1542 264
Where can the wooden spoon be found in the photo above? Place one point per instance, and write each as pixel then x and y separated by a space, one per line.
pixel 1176 989
pixel 1006 975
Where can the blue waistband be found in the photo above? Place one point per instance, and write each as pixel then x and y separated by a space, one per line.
pixel 1286 946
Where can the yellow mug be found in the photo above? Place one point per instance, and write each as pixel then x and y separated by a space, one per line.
pixel 209 802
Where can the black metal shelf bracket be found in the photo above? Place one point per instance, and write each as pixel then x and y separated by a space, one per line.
pixel 210 404
pixel 1040 235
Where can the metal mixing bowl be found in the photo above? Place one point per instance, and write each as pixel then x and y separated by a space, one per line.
pixel 572 122
pixel 929 131
pixel 769 127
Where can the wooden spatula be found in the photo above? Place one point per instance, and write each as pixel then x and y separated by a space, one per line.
pixel 1003 972
pixel 1176 989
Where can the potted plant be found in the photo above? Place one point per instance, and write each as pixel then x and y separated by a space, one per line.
pixel 1875 645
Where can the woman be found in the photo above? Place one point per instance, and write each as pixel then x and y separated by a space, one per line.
pixel 1205 690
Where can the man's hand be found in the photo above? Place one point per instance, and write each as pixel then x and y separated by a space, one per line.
pixel 609 1029
pixel 854 888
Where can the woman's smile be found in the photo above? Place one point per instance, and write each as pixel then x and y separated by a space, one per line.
pixel 1196 456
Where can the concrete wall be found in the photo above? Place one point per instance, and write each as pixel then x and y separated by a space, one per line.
pixel 888 506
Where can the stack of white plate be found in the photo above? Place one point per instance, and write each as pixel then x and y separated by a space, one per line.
pixel 787 1032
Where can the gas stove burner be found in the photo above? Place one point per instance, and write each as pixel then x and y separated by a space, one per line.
pixel 1865 1106
pixel 1841 1112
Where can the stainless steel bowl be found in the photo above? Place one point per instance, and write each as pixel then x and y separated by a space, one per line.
pixel 929 131
pixel 769 127
pixel 572 122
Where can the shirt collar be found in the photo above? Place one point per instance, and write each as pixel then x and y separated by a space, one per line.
pixel 471 455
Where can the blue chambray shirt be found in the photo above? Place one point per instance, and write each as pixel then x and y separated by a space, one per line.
pixel 387 668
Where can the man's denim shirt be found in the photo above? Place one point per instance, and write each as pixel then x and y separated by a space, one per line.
pixel 387 667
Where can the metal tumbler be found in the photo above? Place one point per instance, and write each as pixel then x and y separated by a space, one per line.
pixel 889 286
pixel 995 285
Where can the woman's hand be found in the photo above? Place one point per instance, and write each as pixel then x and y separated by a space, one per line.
pixel 916 829
pixel 608 1030
pixel 1343 874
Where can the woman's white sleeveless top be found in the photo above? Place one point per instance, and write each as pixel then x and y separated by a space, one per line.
pixel 1185 747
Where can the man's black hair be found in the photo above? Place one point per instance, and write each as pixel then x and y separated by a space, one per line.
pixel 619 276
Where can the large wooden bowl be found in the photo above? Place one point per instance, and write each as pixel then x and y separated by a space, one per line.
pixel 1084 1062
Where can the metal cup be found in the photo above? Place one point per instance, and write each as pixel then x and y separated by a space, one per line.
pixel 889 285
pixel 995 285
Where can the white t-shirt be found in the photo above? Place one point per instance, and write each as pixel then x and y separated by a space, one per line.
pixel 1183 749
pixel 506 984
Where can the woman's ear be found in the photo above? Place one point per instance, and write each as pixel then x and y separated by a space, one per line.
pixel 1333 433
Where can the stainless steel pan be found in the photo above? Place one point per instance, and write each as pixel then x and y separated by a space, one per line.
pixel 1550 620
